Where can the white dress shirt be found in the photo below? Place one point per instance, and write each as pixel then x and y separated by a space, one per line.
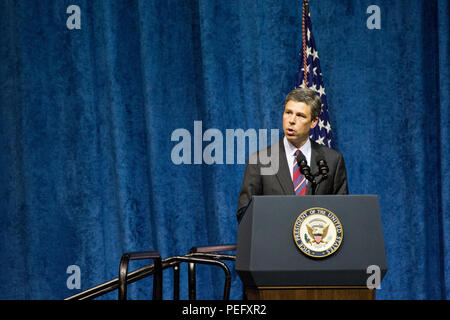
pixel 290 150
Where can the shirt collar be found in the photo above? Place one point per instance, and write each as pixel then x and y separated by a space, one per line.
pixel 290 148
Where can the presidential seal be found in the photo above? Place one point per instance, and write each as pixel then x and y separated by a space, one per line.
pixel 318 232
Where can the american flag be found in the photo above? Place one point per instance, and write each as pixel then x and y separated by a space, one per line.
pixel 313 80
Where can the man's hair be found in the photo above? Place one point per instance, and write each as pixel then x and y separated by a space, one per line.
pixel 307 96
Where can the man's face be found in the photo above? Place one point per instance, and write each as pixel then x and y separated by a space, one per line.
pixel 297 122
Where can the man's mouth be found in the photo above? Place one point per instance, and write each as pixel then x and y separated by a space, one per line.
pixel 290 131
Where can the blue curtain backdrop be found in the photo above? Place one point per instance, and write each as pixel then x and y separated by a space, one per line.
pixel 87 116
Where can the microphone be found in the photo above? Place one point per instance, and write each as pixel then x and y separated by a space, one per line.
pixel 323 168
pixel 304 168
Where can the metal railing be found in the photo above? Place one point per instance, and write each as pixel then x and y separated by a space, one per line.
pixel 157 272
pixel 208 252
pixel 156 269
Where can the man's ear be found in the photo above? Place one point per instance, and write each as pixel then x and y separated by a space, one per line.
pixel 314 122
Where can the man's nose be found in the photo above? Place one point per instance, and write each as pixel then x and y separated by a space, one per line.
pixel 292 119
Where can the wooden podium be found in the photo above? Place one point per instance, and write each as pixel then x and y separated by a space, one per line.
pixel 272 267
pixel 309 293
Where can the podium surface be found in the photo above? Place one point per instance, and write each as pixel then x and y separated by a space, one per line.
pixel 267 254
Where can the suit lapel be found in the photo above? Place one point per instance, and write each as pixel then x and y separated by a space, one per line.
pixel 283 174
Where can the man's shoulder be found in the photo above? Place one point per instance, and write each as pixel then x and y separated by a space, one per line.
pixel 324 150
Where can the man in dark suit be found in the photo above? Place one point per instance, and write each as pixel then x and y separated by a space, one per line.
pixel 301 113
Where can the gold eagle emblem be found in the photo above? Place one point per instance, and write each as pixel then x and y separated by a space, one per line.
pixel 317 233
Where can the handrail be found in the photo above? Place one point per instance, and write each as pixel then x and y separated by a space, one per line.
pixel 216 248
pixel 192 259
pixel 215 256
pixel 157 270
pixel 149 270
pixel 210 252
pixel 113 284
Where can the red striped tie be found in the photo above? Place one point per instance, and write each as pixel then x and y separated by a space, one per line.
pixel 298 179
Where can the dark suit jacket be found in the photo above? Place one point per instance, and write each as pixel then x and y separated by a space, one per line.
pixel 280 183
